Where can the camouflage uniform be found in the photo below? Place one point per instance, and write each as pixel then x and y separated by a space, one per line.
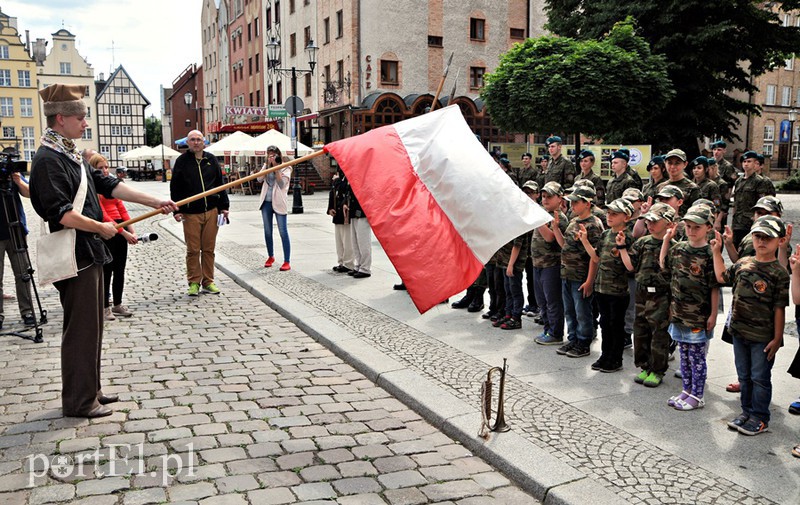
pixel 746 193
pixel 650 335
pixel 599 185
pixel 547 254
pixel 611 276
pixel 724 199
pixel 691 273
pixel 726 171
pixel 560 170
pixel 690 193
pixel 574 258
pixel 635 176
pixel 758 289
pixel 710 191
pixel 649 189
pixel 611 293
pixel 524 175
pixel 617 186
pixel 503 256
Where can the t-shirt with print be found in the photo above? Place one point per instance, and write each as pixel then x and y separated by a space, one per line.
pixel 758 289
pixel 691 273
pixel 546 254
pixel 644 255
pixel 574 258
pixel 612 276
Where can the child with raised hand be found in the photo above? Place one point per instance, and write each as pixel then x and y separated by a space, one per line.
pixel 760 296
pixel 611 282
pixel 794 368
pixel 694 299
pixel 650 327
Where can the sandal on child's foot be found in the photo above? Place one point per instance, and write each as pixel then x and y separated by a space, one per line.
pixel 796 451
pixel 690 403
pixel 674 399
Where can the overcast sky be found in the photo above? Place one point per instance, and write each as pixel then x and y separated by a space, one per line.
pixel 153 39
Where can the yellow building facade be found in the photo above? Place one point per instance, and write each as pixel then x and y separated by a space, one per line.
pixel 20 126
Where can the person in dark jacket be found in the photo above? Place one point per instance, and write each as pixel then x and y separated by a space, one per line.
pixel 336 201
pixel 197 171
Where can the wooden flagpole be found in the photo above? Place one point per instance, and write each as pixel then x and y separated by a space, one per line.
pixel 224 187
pixel 441 83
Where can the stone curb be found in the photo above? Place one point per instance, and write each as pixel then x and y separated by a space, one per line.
pixel 534 469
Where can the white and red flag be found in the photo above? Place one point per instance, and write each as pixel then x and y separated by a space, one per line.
pixel 438 203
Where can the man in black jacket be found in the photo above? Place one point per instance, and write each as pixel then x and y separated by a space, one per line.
pixel 197 171
pixel 336 201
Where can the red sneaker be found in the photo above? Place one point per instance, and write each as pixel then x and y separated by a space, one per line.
pixel 285 266
pixel 269 261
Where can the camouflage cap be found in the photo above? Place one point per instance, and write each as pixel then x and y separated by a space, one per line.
pixel 705 201
pixel 621 205
pixel 553 188
pixel 676 153
pixel 581 193
pixel 633 195
pixel 769 203
pixel 669 191
pixel 660 211
pixel 586 183
pixel 531 186
pixel 700 214
pixel 770 226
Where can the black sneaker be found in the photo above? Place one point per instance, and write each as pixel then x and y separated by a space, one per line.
pixel 627 342
pixel 599 364
pixel 29 320
pixel 578 351
pixel 753 427
pixel 564 349
pixel 735 424
pixel 487 315
pixel 611 367
pixel 511 324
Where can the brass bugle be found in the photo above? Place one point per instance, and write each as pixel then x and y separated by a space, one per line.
pixel 500 420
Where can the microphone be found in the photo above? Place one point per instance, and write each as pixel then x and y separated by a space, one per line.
pixel 147 237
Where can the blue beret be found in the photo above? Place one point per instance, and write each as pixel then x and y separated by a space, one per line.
pixel 657 160
pixel 700 160
pixel 719 143
pixel 585 154
pixel 622 154
pixel 752 155
pixel 553 139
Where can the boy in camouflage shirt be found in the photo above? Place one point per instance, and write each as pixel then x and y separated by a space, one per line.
pixel 760 296
pixel 511 261
pixel 693 303
pixel 650 336
pixel 611 282
pixel 546 258
pixel 576 283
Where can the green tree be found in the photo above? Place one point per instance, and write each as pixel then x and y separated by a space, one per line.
pixel 604 88
pixel 152 131
pixel 713 49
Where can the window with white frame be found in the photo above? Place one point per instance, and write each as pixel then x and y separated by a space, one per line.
pixel 5 77
pixel 789 63
pixel 88 112
pixel 24 78
pixel 65 68
pixel 116 130
pixel 767 150
pixel 3 52
pixel 113 110
pixel 87 134
pixel 6 107
pixel 772 91
pixel 122 149
pixel 9 132
pixel 769 132
pixel 127 130
pixel 795 151
pixel 28 142
pixel 125 110
pixel 105 151
pixel 786 96
pixel 26 107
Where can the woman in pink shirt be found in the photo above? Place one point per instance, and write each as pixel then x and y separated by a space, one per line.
pixel 274 201
pixel 114 211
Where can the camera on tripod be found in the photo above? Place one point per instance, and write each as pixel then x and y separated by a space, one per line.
pixel 11 163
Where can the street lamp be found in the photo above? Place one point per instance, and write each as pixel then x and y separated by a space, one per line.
pixel 273 66
pixel 187 99
pixel 792 119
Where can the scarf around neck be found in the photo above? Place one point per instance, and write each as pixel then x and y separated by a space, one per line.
pixel 61 144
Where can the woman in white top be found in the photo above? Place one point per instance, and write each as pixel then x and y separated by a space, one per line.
pixel 274 201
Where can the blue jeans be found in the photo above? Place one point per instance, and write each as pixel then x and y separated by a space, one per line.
pixel 266 217
pixel 577 312
pixel 547 282
pixel 514 297
pixel 755 374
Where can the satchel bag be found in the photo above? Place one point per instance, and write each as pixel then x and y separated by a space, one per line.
pixel 55 252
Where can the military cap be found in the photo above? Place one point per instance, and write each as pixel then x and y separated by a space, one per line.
pixel 622 206
pixel 64 99
pixel 633 195
pixel 712 161
pixel 656 160
pixel 752 155
pixel 531 186
pixel 720 144
pixel 769 203
pixel 553 188
pixel 700 160
pixel 587 183
pixel 699 214
pixel 581 193
pixel 553 140
pixel 676 153
pixel 621 154
pixel 770 226
pixel 505 162
pixel 660 211
pixel 529 155
pixel 585 154
pixel 669 191
pixel 546 157
pixel 706 202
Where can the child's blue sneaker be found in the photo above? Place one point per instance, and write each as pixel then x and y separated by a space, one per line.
pixel 547 339
pixel 753 427
pixel 794 408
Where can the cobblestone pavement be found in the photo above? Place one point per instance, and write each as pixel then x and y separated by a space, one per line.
pixel 223 401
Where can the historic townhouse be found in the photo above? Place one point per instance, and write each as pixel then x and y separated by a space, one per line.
pixel 120 115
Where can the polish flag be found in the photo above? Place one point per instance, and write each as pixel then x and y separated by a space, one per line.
pixel 436 200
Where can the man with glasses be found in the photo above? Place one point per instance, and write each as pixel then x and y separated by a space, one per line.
pixel 197 171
